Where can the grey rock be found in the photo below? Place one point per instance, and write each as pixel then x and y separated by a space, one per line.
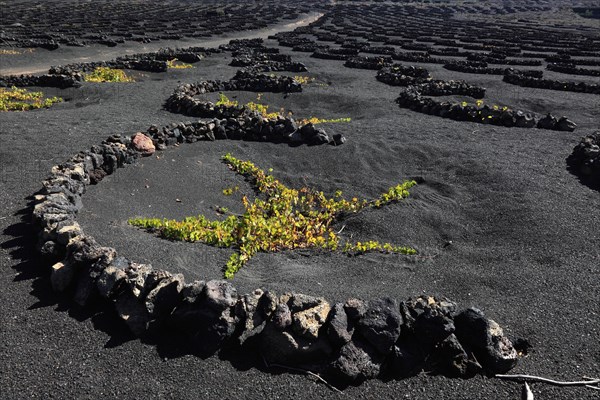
pixel 407 358
pixel 338 139
pixel 355 309
pixel 84 249
pixel 298 302
pixel 51 250
pixel 137 279
pixel 133 312
pixel 282 316
pixel 251 319
pixel 109 281
pixel 432 327
pixel 338 329
pixel 87 290
pixel 220 294
pixel 486 339
pixel 306 323
pixel 356 362
pixel 565 124
pixel 163 299
pixel 285 348
pixel 457 361
pixel 268 304
pixel 193 293
pixel 66 232
pixel 206 328
pixel 63 274
pixel 548 122
pixel 381 323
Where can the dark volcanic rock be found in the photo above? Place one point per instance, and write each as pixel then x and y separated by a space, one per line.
pixel 356 361
pixel 339 330
pixel 380 324
pixel 486 339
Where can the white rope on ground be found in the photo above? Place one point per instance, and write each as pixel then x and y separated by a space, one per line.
pixel 533 378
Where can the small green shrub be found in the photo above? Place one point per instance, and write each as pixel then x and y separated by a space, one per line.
pixel 303 80
pixel 315 120
pixel 105 74
pixel 263 110
pixel 176 64
pixel 224 101
pixel 15 99
pixel 284 219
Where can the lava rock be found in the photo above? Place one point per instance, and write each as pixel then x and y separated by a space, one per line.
pixel 565 124
pixel 307 323
pixel 282 317
pixel 339 330
pixel 285 348
pixel 133 312
pixel 381 324
pixel 163 299
pixel 356 362
pixel 486 339
pixel 220 294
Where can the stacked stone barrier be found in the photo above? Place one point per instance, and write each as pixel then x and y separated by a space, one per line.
pixel 256 82
pixel 260 61
pixel 403 75
pixel 568 68
pixel 241 44
pixel 335 54
pixel 385 50
pixel 292 40
pixel 61 81
pixel 448 52
pixel 413 99
pixel 148 62
pixel 481 67
pixel 362 62
pixel 503 61
pixel 526 81
pixel 308 47
pixel 585 159
pixel 241 122
pixel 417 57
pixel 346 342
pixel 119 22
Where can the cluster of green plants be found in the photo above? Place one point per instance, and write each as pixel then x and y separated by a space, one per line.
pixel 176 64
pixel 479 104
pixel 13 52
pixel 230 191
pixel 15 99
pixel 315 120
pixel 224 101
pixel 106 74
pixel 280 218
pixel 263 110
pixel 303 80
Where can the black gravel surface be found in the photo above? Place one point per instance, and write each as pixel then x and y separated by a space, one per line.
pixel 499 220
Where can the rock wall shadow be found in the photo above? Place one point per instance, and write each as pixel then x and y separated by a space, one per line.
pixel 31 266
pixel 591 181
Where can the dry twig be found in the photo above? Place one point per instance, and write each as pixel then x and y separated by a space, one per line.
pixel 304 371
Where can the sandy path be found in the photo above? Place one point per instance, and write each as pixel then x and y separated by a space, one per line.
pixel 68 55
